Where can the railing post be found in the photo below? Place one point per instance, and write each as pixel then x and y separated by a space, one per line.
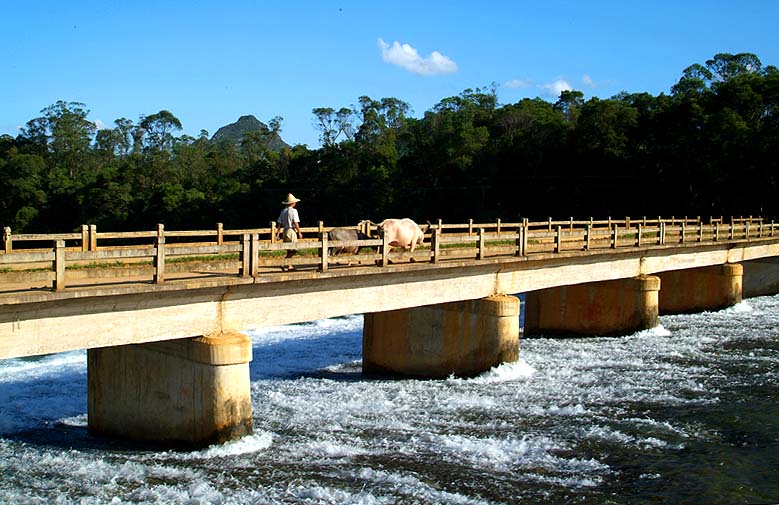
pixel 84 237
pixel 273 232
pixel 716 232
pixel 614 229
pixel 661 233
pixel 59 266
pixel 558 238
pixel 470 227
pixel 435 245
pixel 570 224
pixel 323 252
pixel 587 234
pixel 321 228
pixel 254 260
pixel 219 234
pixel 525 230
pixel 480 251
pixel 700 230
pixel 7 240
pixel 731 233
pixel 746 230
pixel 638 235
pixel 249 256
pixel 518 244
pixel 93 237
pixel 385 249
pixel 684 226
pixel 498 228
pixel 245 255
pixel 549 220
pixel 159 257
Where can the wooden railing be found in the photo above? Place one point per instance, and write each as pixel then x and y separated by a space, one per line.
pixel 252 251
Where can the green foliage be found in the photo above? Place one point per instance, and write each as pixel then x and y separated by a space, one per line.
pixel 710 147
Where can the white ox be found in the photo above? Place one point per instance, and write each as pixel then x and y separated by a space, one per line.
pixel 401 232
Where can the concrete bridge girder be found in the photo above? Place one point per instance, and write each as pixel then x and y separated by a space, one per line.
pixel 41 323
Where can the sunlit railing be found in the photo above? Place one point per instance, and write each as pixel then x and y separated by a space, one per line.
pixel 255 252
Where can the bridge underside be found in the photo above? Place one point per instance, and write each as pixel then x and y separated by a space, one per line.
pixel 196 391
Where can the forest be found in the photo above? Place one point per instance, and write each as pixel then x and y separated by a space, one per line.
pixel 707 148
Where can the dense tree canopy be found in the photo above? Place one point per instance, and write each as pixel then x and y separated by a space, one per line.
pixel 707 148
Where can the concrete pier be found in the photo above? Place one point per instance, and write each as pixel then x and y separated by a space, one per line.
pixel 761 277
pixel 701 289
pixel 596 308
pixel 461 338
pixel 191 392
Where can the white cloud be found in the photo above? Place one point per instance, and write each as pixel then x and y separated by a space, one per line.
pixel 100 124
pixel 555 88
pixel 587 80
pixel 517 84
pixel 405 56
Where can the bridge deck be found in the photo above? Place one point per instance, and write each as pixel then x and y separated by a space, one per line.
pixel 133 304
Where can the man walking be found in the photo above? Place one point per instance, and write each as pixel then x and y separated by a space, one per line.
pixel 289 227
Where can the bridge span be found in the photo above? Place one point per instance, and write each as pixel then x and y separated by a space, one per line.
pixel 169 344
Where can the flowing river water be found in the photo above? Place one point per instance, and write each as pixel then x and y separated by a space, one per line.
pixel 686 412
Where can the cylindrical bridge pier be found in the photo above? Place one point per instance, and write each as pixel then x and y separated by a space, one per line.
pixel 458 338
pixel 190 392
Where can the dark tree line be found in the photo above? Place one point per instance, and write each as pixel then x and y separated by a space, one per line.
pixel 708 148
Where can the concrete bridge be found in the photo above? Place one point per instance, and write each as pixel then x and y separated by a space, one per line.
pixel 167 361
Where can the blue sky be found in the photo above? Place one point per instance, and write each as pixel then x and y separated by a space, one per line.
pixel 210 62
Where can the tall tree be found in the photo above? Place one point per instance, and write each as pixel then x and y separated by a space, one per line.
pixel 569 103
pixel 328 125
pixel 726 66
pixel 66 132
pixel 159 130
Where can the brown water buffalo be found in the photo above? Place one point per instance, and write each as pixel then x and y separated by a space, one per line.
pixel 403 233
pixel 343 235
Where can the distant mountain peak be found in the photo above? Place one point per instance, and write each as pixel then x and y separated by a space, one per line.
pixel 245 124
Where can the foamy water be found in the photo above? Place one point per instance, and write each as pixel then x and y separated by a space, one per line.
pixel 682 413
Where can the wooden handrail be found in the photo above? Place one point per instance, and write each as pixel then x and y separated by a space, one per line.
pixel 445 241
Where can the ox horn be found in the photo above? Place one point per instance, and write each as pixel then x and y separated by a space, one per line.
pixel 366 225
